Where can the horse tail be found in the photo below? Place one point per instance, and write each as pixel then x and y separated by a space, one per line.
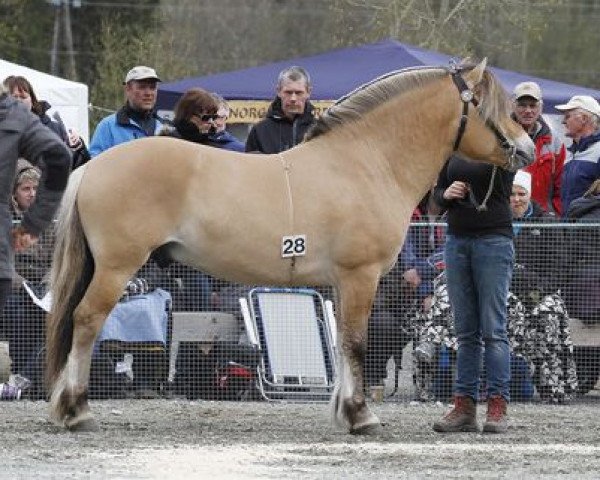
pixel 70 276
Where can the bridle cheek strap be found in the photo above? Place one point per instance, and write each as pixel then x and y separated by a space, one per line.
pixel 462 126
pixel 467 97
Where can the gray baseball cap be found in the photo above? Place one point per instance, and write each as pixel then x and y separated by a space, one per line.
pixel 141 73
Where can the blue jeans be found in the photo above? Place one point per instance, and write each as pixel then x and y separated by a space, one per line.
pixel 479 271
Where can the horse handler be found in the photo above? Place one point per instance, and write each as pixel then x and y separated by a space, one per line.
pixel 479 255
pixel 23 135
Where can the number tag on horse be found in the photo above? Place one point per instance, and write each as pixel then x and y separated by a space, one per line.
pixel 293 246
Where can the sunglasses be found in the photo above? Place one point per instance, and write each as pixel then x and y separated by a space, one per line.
pixel 208 117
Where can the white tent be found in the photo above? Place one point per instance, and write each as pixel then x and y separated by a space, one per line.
pixel 69 99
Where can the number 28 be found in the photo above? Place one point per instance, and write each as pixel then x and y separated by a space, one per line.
pixel 293 246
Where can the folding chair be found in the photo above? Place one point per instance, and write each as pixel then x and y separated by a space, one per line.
pixel 294 330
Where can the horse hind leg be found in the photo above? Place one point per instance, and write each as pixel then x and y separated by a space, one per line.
pixel 348 403
pixel 69 401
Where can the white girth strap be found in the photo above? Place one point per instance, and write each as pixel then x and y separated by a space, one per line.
pixel 287 168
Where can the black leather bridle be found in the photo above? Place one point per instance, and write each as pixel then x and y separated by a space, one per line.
pixel 467 97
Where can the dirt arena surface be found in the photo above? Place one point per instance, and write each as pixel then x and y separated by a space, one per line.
pixel 159 439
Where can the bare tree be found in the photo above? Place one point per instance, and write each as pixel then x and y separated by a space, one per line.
pixel 459 27
pixel 231 34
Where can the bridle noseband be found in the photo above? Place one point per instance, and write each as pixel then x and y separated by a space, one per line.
pixel 467 97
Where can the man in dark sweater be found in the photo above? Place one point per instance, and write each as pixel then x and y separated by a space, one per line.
pixel 289 115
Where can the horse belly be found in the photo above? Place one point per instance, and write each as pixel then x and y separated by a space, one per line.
pixel 245 253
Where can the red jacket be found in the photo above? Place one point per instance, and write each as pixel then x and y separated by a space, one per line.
pixel 546 170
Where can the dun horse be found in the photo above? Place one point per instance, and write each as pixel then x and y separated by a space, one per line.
pixel 332 211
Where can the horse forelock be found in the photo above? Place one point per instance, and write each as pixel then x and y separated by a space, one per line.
pixel 494 105
pixel 367 97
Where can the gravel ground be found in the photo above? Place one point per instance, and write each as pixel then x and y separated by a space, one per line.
pixel 145 439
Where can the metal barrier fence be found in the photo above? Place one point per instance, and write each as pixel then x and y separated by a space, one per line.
pixel 178 332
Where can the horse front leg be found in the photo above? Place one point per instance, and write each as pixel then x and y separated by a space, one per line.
pixel 349 408
pixel 69 401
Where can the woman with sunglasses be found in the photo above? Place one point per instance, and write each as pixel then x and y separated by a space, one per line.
pixel 196 115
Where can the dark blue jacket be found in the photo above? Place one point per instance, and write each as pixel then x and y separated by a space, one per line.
pixel 226 141
pixel 582 167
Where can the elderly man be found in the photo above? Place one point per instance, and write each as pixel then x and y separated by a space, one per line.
pixel 582 121
pixel 289 116
pixel 546 170
pixel 136 119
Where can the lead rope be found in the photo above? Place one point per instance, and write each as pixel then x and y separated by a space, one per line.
pixel 483 206
pixel 287 168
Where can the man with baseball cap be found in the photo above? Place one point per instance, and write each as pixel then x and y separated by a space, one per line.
pixel 581 118
pixel 546 170
pixel 137 118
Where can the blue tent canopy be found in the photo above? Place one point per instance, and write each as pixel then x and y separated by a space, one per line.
pixel 337 72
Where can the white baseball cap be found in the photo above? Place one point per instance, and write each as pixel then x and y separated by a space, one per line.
pixel 141 73
pixel 585 102
pixel 523 179
pixel 528 89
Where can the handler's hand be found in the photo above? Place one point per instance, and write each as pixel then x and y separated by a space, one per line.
pixel 456 190
pixel 22 240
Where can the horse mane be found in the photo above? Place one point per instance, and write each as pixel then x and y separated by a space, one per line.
pixel 494 105
pixel 368 96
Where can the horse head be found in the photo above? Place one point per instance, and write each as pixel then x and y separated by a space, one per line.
pixel 487 131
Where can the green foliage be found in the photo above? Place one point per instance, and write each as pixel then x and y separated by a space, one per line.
pixel 26 32
pixel 459 28
pixel 89 23
pixel 567 48
pixel 551 38
pixel 123 46
pixel 555 39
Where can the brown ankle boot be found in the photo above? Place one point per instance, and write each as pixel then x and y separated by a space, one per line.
pixel 496 420
pixel 462 418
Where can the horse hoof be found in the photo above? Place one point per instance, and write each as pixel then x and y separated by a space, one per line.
pixel 85 425
pixel 368 429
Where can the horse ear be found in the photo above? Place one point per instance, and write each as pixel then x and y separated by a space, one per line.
pixel 474 76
